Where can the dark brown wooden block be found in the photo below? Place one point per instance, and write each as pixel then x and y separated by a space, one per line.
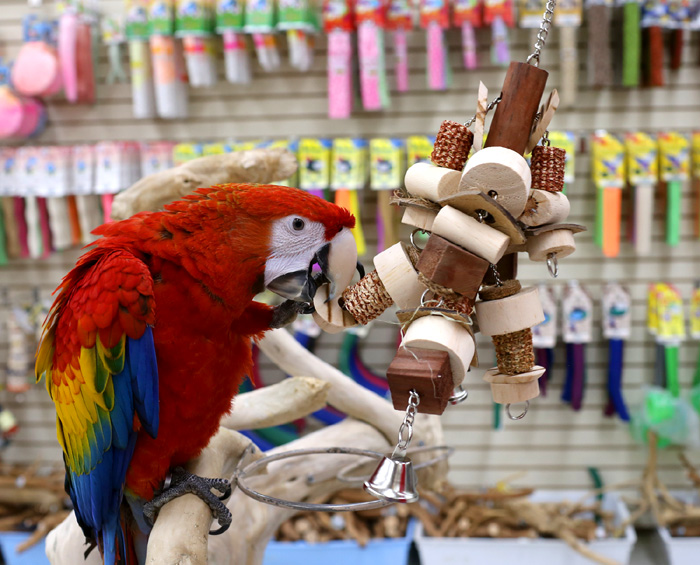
pixel 520 99
pixel 507 269
pixel 452 266
pixel 426 371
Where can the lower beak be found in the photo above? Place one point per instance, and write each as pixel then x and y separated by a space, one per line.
pixel 337 260
pixel 299 286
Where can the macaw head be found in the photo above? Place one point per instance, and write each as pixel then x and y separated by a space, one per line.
pixel 310 243
pixel 241 238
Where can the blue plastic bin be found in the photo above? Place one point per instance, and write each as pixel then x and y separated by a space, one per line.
pixel 35 555
pixel 341 552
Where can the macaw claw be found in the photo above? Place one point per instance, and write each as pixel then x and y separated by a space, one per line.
pixel 183 482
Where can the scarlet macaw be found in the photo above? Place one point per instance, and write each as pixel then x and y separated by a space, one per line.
pixel 149 339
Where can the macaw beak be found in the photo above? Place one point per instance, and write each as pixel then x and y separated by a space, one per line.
pixel 337 261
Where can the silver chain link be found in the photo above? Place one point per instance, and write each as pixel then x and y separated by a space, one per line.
pixel 490 107
pixel 406 429
pixel 545 26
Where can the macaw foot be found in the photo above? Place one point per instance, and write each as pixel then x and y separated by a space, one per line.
pixel 182 482
pixel 286 312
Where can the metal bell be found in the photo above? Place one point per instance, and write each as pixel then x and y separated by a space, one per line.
pixel 393 480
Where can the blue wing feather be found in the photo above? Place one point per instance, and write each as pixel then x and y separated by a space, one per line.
pixel 97 487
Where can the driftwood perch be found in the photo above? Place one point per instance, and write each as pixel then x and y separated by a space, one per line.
pixel 179 535
pixel 156 190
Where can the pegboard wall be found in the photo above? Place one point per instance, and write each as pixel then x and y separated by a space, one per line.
pixel 553 444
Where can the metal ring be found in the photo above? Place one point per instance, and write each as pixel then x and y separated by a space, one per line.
pixel 459 395
pixel 448 451
pixel 425 303
pixel 519 416
pixel 282 503
pixel 413 235
pixel 553 265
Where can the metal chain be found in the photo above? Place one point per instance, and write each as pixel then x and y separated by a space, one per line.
pixel 406 429
pixel 490 107
pixel 496 275
pixel 481 215
pixel 545 26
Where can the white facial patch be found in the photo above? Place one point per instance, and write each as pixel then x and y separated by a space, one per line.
pixel 294 242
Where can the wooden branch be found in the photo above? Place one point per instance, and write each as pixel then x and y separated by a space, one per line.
pixel 345 394
pixel 181 533
pixel 277 404
pixel 156 190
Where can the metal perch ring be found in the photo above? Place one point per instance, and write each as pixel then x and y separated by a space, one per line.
pixel 343 474
pixel 241 474
pixel 304 506
pixel 519 416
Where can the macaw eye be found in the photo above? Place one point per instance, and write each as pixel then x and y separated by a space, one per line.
pixel 298 224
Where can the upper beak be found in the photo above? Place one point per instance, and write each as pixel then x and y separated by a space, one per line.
pixel 337 260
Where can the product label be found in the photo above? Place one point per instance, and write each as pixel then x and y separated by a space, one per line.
pixel 194 17
pixel 544 334
pixel 617 313
pixel 577 314
pixel 419 148
pixel 386 163
pixel 674 156
pixel 314 163
pixel 349 164
pixel 608 161
pixel 230 15
pixel 642 159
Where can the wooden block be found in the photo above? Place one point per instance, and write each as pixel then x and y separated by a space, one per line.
pixel 329 316
pixel 511 314
pixel 520 98
pixel 441 334
pixel 507 269
pixel 545 207
pixel 560 242
pixel 502 174
pixel 507 389
pixel 420 218
pixel 399 276
pixel 425 371
pixel 450 266
pixel 471 202
pixel 428 181
pixel 512 393
pixel 467 232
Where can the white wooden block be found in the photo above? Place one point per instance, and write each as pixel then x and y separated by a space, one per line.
pixel 502 174
pixel 440 334
pixel 433 183
pixel 399 276
pixel 559 242
pixel 511 314
pixel 463 230
pixel 545 207
pixel 420 218
pixel 329 316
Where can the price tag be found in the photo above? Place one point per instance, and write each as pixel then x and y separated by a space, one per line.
pixel 83 169
pixel 695 312
pixel 671 322
pixel 8 171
